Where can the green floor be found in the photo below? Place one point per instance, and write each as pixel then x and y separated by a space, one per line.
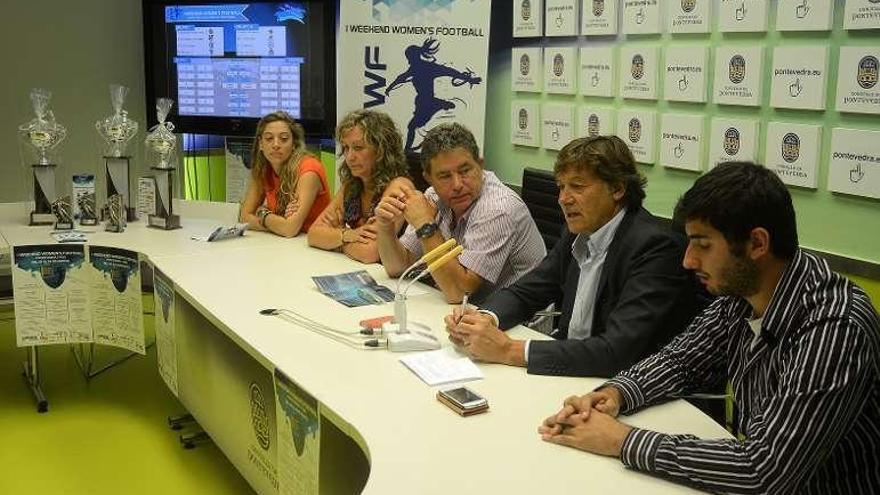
pixel 107 436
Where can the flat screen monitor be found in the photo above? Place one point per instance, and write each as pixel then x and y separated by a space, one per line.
pixel 227 64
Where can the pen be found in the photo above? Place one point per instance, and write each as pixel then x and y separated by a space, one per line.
pixel 463 307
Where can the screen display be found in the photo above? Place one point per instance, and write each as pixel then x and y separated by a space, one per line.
pixel 245 59
pixel 462 395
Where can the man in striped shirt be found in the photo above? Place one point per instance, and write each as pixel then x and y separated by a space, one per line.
pixel 798 343
pixel 501 241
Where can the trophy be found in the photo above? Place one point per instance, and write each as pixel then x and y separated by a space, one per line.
pixel 161 143
pixel 62 208
pixel 43 134
pixel 116 213
pixel 117 130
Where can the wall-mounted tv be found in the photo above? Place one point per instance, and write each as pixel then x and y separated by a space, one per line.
pixel 227 64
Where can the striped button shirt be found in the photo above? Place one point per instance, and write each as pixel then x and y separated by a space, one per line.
pixel 807 393
pixel 501 241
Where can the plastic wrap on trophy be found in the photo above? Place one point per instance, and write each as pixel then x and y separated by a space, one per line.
pixel 42 134
pixel 117 129
pixel 161 144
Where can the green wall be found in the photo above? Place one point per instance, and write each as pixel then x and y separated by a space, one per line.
pixel 205 174
pixel 845 225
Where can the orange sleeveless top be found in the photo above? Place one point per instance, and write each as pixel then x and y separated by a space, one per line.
pixel 272 185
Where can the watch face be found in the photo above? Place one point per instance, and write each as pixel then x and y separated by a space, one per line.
pixel 426 230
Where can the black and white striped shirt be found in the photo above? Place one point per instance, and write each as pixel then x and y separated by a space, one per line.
pixel 808 393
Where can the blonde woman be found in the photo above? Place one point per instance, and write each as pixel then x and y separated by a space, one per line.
pixel 374 167
pixel 288 188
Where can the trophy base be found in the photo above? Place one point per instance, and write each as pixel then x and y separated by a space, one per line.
pixel 42 218
pixel 166 223
pixel 88 221
pixel 63 225
pixel 130 215
pixel 114 227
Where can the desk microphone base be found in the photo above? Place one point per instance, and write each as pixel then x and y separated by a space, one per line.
pixel 416 337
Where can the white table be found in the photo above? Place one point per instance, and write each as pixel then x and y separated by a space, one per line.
pixel 412 442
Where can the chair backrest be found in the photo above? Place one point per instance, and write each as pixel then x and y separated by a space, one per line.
pixel 540 194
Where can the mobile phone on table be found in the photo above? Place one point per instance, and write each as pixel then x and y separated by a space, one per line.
pixel 463 400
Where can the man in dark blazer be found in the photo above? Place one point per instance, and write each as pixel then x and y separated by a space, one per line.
pixel 615 274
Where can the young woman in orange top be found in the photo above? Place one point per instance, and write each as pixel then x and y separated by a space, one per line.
pixel 288 188
pixel 374 167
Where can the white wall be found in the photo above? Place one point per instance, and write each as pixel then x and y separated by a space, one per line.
pixel 74 48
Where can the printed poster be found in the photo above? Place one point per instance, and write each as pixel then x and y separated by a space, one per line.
pixel 854 165
pixel 738 75
pixel 528 18
pixel 799 77
pixel 423 62
pixel 681 141
pixel 636 129
pixel 595 121
pixel 527 70
pixel 560 18
pixel 299 438
pixel 524 124
pixel 166 338
pixel 557 128
pixel 238 154
pixel 598 17
pixel 51 287
pixel 857 77
pixel 733 140
pixel 792 151
pixel 597 71
pixel 116 305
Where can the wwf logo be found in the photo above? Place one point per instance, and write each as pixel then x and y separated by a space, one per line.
pixel 593 125
pixel 791 147
pixel 259 416
pixel 731 141
pixel 523 119
pixel 737 69
pixel 635 130
pixel 867 76
pixel 638 66
pixel 558 64
pixel 688 5
pixel 526 10
pixel 524 65
pixel 598 7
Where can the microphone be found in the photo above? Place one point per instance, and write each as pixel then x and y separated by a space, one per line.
pixel 404 335
pixel 357 341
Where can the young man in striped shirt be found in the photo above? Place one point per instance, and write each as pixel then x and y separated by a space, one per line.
pixel 798 342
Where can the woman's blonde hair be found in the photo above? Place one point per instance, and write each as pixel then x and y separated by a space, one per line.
pixel 289 173
pixel 381 133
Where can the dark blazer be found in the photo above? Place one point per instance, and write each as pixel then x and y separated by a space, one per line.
pixel 644 298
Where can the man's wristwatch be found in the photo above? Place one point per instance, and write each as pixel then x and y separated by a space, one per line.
pixel 426 230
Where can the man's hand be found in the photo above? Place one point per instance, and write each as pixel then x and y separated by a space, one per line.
pixel 477 334
pixel 598 433
pixel 389 211
pixel 606 400
pixel 419 210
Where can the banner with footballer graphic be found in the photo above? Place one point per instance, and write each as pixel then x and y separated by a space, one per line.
pixel 424 62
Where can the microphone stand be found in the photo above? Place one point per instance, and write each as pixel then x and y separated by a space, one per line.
pixel 405 335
